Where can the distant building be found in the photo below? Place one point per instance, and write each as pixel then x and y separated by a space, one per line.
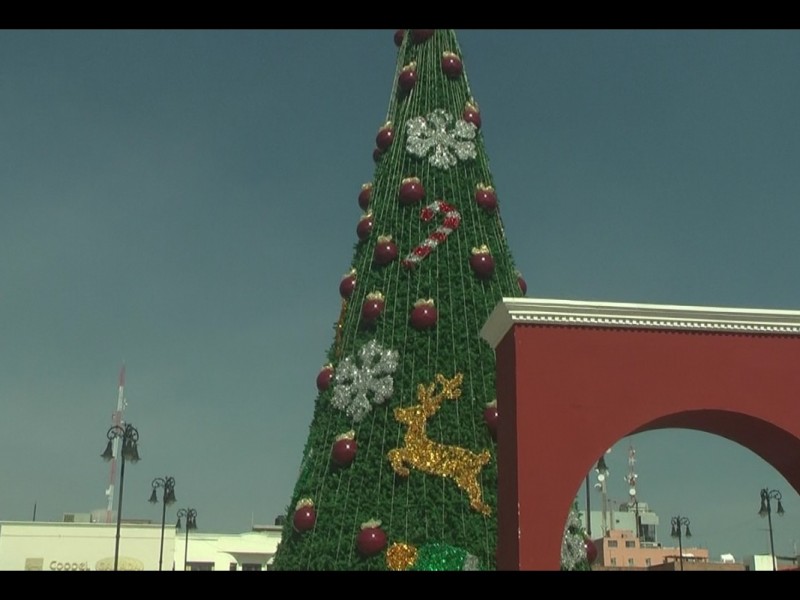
pixel 78 544
pixel 628 538
pixel 698 566
pixel 621 548
pixel 764 562
pixel 624 517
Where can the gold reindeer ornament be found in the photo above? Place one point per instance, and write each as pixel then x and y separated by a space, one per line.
pixel 422 453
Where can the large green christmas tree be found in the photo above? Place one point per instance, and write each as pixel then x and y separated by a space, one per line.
pixel 399 470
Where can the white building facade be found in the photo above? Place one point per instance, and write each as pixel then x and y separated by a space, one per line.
pixel 56 546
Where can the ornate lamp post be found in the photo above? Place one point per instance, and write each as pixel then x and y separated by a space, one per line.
pixel 602 478
pixel 168 483
pixel 677 522
pixel 130 452
pixel 191 523
pixel 766 511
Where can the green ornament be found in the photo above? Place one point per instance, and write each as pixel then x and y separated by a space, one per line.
pixel 443 557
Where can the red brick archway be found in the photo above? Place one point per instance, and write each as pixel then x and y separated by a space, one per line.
pixel 575 377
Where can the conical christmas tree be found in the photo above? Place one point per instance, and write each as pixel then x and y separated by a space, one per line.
pixel 399 470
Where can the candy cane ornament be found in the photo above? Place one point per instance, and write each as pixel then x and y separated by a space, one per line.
pixel 450 223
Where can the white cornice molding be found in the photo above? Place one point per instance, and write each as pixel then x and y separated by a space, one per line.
pixel 535 311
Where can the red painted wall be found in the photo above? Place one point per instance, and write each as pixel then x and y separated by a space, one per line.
pixel 572 392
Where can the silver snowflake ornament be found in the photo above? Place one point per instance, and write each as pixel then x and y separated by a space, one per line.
pixel 439 138
pixel 359 383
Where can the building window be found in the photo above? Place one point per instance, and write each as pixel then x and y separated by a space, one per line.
pixel 630 544
pixel 612 543
pixel 251 566
pixel 630 562
pixel 613 562
pixel 232 567
pixel 199 566
pixel 648 533
pixel 34 564
pixel 648 562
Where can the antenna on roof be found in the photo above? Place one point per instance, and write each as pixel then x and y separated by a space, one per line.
pixel 631 480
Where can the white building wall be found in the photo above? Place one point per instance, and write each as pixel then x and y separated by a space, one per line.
pixel 614 520
pixel 219 551
pixel 90 546
pixel 79 547
pixel 759 562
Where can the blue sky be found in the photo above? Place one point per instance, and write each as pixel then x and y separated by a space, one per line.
pixel 185 202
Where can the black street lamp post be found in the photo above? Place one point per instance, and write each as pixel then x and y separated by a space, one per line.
pixel 588 509
pixel 191 523
pixel 168 483
pixel 766 510
pixel 130 452
pixel 677 522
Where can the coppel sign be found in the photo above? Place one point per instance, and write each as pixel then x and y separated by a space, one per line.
pixel 56 565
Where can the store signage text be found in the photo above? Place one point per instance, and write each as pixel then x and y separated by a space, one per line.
pixel 68 566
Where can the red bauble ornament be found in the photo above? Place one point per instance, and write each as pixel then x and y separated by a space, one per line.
pixel 411 191
pixel 371 539
pixel 591 550
pixel 490 418
pixel 485 197
pixel 377 154
pixel 522 285
pixel 305 516
pixel 344 449
pixel 471 114
pixel 364 196
pixel 482 262
pixel 324 378
pixel 424 314
pixel 385 137
pixel 398 37
pixel 364 227
pixel 407 78
pixel 420 35
pixel 372 307
pixel 348 284
pixel 385 250
pixel 451 65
